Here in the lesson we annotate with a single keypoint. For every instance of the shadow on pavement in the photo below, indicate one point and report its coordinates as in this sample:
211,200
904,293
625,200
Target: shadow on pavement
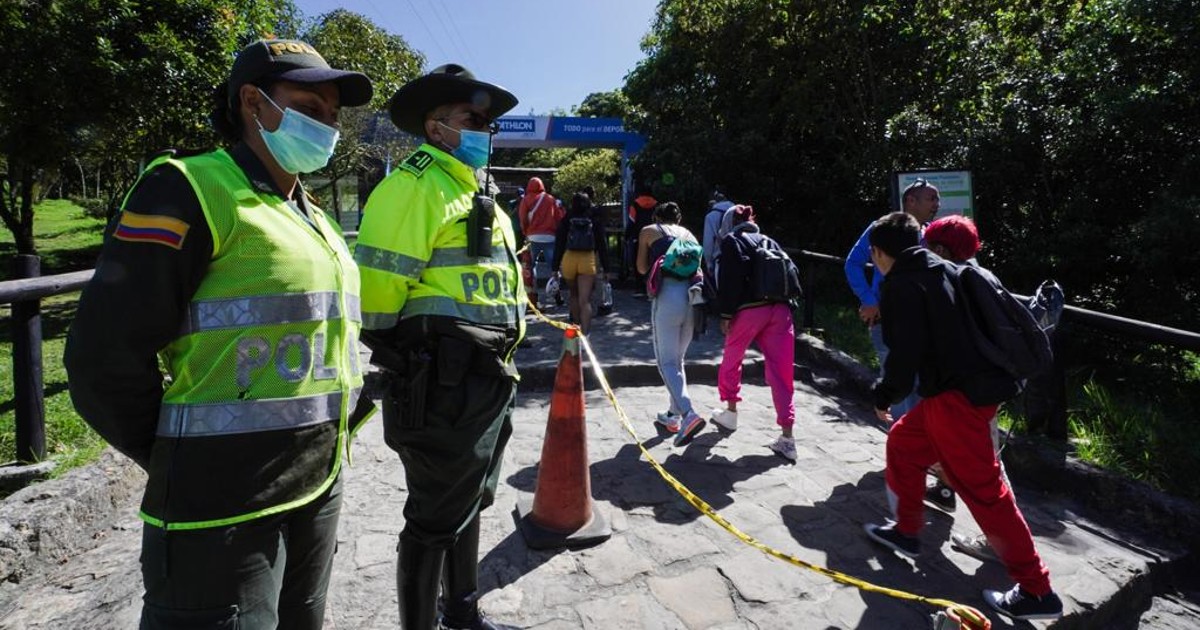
835,527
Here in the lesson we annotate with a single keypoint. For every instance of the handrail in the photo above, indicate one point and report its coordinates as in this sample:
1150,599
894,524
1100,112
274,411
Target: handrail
43,286
25,295
1145,331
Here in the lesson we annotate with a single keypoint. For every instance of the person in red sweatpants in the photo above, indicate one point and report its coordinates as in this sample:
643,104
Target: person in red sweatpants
927,338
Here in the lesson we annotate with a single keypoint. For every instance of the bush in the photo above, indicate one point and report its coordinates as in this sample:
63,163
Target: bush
93,207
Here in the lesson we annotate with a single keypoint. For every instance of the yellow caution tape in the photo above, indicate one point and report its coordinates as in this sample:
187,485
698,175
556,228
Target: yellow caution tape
969,617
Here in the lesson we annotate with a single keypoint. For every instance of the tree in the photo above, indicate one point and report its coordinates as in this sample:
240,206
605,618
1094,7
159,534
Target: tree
612,104
353,42
109,81
600,169
1079,121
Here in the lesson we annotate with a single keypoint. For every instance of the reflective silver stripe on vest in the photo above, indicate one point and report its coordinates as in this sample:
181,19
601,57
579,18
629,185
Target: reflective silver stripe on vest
389,261
249,416
379,321
457,256
498,314
354,308
261,310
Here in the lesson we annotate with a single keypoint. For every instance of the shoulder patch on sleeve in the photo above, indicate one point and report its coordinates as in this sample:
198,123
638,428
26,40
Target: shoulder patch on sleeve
151,228
417,163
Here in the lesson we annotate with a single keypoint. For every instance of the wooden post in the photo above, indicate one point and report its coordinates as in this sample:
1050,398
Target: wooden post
27,368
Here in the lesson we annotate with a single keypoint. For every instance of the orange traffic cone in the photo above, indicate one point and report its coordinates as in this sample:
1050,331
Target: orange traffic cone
561,513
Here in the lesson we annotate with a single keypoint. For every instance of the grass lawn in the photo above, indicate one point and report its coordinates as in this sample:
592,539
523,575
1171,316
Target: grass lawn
67,240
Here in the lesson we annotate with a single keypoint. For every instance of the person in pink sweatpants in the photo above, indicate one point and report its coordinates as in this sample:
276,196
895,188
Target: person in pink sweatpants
747,318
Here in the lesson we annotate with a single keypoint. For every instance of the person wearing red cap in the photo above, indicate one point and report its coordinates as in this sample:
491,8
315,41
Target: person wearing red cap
926,333
222,269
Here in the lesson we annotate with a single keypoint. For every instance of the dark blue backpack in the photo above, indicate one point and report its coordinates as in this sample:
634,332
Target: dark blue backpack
1000,325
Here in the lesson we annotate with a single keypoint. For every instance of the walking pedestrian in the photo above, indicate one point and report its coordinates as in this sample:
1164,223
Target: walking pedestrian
640,214
717,207
749,318
671,318
539,214
925,333
921,200
580,255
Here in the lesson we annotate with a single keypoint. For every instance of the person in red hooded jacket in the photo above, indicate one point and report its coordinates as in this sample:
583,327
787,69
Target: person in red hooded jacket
539,214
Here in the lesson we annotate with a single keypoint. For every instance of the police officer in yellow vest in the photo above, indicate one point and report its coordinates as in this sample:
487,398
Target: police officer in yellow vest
219,267
443,310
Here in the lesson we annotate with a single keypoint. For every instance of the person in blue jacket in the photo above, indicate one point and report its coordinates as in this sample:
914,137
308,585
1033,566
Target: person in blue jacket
921,200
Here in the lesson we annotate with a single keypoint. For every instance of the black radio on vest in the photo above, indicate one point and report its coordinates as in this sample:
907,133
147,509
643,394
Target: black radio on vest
479,227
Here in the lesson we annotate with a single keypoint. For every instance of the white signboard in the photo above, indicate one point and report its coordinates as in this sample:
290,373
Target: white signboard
954,188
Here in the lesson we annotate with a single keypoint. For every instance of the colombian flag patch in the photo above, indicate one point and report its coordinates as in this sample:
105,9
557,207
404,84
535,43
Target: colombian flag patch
149,228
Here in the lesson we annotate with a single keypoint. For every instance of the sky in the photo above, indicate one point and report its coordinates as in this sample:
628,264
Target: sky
549,53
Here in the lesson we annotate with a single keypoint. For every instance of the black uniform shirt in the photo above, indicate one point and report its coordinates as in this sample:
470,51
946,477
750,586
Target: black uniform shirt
135,304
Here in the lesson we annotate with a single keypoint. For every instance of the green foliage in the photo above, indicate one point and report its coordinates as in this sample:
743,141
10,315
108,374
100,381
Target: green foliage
70,241
612,104
353,42
68,439
600,169
70,238
839,326
1079,122
102,84
1137,440
93,207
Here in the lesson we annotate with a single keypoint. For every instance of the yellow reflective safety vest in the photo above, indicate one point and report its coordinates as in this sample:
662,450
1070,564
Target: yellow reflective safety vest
265,370
412,250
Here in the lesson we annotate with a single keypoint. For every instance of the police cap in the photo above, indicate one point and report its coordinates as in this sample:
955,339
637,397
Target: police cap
297,61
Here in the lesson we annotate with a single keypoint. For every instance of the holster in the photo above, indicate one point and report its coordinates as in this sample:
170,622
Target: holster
404,395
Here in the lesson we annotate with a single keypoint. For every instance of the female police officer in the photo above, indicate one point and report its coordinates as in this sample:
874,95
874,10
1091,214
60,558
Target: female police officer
247,293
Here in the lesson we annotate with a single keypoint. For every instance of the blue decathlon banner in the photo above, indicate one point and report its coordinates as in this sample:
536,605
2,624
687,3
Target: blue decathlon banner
565,131
587,129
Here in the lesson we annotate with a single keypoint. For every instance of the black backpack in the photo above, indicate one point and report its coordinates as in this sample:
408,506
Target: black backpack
1001,326
579,234
773,275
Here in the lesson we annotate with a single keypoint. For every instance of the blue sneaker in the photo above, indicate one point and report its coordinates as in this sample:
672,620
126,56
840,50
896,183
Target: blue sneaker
668,421
691,425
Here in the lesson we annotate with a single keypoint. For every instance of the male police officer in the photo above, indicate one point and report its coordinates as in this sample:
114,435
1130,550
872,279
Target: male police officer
443,310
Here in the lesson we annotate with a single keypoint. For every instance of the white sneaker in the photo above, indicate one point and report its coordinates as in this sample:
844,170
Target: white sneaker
784,447
725,419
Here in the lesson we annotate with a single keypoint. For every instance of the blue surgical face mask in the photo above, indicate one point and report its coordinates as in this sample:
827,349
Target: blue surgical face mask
474,147
300,144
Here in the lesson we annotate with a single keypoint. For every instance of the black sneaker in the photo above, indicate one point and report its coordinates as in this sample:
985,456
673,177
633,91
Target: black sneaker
481,623
941,497
888,536
1018,604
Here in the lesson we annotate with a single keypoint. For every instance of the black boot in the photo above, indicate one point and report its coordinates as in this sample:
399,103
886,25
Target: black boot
417,575
460,585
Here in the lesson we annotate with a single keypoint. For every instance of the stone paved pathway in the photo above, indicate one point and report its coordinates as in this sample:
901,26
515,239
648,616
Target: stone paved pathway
666,566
